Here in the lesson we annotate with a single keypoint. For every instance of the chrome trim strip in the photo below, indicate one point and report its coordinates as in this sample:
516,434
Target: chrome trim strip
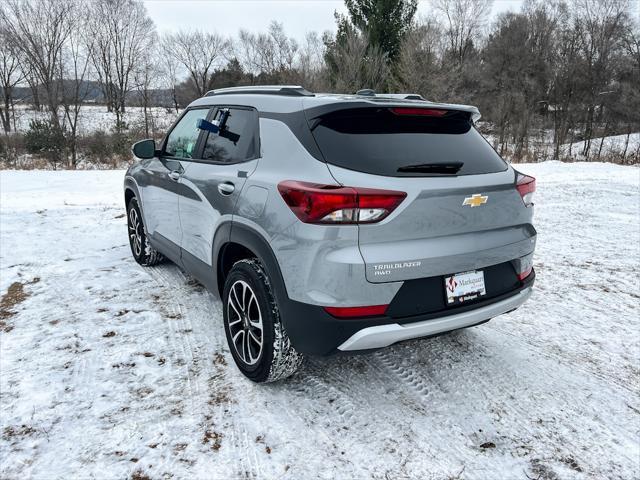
385,335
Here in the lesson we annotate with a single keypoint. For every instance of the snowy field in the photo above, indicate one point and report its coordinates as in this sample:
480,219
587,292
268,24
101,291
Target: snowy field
95,118
110,370
618,145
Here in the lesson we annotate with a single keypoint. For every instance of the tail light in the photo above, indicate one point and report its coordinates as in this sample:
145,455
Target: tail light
526,185
333,204
525,274
356,312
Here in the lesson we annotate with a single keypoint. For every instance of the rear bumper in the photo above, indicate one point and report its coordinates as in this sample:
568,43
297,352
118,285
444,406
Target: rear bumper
313,331
385,335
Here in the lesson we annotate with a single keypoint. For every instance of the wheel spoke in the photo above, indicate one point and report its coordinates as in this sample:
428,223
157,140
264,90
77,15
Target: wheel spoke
244,297
242,341
234,308
255,339
250,352
231,324
235,294
234,338
255,323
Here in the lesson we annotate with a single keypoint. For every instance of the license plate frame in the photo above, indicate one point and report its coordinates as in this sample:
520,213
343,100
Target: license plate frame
464,287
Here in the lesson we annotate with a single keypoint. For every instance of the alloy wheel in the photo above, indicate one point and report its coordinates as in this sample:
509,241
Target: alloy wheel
245,322
135,234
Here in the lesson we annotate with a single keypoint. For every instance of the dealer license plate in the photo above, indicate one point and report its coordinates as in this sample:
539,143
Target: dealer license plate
464,287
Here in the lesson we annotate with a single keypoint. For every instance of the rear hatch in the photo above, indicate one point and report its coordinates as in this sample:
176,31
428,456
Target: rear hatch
462,211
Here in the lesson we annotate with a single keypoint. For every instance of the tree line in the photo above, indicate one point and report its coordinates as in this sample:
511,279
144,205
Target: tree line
553,73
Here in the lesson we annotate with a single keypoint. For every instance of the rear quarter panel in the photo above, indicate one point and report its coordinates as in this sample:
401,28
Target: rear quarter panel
320,265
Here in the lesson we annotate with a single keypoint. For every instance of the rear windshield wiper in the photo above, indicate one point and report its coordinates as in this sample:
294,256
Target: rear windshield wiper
450,168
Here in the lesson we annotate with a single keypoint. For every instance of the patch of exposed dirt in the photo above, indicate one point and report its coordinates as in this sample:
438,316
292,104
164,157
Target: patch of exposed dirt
219,359
572,463
17,431
16,294
124,365
542,471
212,438
487,445
139,475
220,397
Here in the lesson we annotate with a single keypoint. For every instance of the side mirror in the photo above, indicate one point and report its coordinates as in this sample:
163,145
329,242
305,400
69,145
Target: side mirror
144,149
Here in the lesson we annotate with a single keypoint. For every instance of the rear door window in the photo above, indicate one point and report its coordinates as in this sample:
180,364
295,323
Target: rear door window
381,142
237,141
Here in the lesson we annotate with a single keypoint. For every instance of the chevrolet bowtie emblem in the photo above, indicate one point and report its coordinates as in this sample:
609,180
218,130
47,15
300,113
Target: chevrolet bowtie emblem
475,200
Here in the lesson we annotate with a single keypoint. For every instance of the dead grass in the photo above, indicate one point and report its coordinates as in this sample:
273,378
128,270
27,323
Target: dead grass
17,431
212,438
16,294
139,475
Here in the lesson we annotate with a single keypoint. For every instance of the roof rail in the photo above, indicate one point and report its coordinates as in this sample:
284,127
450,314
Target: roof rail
287,90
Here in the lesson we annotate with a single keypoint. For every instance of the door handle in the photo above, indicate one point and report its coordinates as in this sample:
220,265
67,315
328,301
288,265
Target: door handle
174,175
226,188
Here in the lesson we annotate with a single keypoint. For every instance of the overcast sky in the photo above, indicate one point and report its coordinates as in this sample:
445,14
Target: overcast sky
229,16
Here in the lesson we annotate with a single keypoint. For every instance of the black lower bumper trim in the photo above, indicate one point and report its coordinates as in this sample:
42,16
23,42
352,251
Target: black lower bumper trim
314,332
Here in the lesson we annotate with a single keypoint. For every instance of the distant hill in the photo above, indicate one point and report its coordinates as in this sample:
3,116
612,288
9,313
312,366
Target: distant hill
92,92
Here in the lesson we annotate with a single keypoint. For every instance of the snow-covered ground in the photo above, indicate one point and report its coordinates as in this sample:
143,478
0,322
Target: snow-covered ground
616,145
110,370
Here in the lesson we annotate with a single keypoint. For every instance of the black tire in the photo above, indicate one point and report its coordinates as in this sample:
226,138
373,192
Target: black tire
141,250
276,358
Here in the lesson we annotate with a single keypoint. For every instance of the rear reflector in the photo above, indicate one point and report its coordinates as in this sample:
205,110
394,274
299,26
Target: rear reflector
427,112
356,312
333,204
525,274
526,185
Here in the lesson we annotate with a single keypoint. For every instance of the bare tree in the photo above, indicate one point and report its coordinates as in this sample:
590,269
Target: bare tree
199,53
122,34
75,61
601,25
145,79
39,30
419,69
631,42
355,64
271,53
169,70
10,76
465,20
310,63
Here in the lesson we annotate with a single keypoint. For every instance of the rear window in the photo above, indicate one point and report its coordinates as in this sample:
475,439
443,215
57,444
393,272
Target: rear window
381,142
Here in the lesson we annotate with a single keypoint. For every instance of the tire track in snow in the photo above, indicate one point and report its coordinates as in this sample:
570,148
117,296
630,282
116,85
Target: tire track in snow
330,415
177,290
535,344
512,403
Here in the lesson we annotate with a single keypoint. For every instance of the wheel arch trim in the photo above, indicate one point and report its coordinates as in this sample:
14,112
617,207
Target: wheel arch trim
130,184
251,239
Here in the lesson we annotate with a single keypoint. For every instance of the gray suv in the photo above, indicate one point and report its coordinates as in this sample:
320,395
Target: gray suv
333,223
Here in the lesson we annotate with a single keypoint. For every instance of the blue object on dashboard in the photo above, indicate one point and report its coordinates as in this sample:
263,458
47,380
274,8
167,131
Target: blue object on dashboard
202,124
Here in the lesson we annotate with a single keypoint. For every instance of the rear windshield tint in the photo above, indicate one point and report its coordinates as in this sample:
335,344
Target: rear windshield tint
378,141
